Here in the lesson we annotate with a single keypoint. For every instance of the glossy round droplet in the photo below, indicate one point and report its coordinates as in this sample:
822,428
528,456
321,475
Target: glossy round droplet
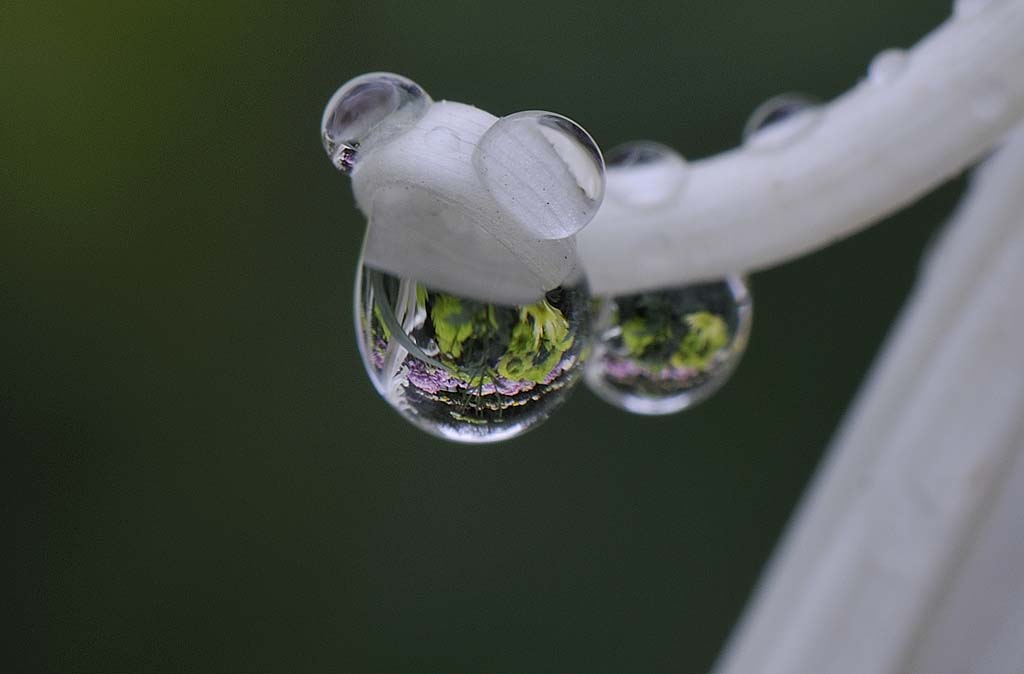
466,370
887,66
660,352
780,121
368,111
544,170
443,139
964,9
644,174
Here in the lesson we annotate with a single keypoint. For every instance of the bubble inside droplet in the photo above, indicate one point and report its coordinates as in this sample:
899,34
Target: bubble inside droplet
544,169
663,351
466,370
963,9
368,111
887,66
780,121
644,173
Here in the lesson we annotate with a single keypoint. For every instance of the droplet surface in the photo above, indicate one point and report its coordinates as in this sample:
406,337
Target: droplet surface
663,351
780,121
887,66
366,111
644,174
466,370
544,170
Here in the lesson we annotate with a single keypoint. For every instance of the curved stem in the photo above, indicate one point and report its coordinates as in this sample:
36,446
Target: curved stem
872,151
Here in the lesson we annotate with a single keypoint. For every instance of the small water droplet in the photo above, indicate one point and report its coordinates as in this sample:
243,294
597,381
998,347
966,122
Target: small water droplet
466,370
645,174
781,120
368,111
444,138
965,9
887,66
660,352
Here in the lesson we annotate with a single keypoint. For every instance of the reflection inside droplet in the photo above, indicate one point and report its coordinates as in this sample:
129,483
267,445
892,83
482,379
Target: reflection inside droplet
466,370
663,351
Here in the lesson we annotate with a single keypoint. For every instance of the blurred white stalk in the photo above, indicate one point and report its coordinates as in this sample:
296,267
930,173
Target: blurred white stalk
877,148
887,566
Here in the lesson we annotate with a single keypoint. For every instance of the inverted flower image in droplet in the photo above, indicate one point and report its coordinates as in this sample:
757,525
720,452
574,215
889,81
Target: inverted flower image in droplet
467,370
660,352
368,111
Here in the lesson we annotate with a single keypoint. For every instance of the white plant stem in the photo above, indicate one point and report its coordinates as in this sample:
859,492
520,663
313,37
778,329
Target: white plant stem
883,532
872,151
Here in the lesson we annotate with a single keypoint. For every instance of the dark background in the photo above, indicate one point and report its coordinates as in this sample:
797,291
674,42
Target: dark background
201,476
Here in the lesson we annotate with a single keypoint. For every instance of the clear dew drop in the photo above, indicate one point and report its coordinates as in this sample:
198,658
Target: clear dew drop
466,370
780,121
887,66
644,174
443,139
367,111
543,169
663,351
965,9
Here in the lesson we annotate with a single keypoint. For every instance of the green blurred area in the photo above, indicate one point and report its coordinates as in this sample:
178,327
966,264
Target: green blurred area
201,476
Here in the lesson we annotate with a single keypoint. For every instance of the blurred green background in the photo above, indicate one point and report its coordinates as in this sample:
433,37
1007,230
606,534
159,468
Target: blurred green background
201,476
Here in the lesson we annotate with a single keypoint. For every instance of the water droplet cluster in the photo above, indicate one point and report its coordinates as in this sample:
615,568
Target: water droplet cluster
477,371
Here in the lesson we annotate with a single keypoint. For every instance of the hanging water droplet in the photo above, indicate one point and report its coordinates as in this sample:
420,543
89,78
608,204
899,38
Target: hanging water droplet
644,174
466,370
544,169
366,111
887,66
781,120
963,9
660,352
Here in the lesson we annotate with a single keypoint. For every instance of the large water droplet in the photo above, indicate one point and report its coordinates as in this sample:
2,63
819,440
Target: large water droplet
368,111
465,370
544,169
663,351
963,9
644,174
780,121
887,66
